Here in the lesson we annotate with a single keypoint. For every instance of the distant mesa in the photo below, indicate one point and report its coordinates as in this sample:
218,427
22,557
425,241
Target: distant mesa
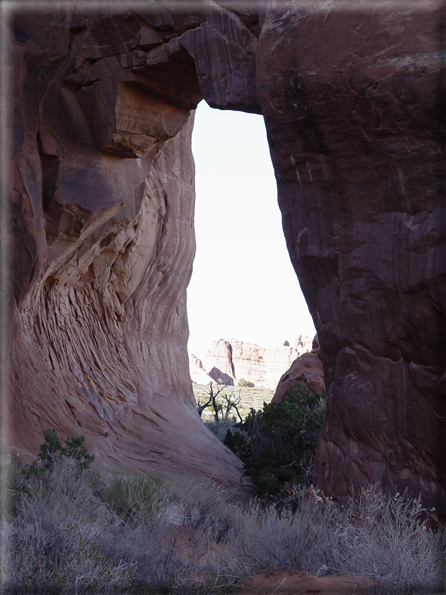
228,361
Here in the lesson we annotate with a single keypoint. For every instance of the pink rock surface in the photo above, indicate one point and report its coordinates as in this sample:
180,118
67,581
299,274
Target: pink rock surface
219,362
306,369
103,191
197,373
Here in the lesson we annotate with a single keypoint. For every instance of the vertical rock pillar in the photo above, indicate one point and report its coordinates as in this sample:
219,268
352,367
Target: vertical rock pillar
353,100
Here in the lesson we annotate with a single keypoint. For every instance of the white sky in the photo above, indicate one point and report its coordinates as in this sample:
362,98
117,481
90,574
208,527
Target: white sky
243,285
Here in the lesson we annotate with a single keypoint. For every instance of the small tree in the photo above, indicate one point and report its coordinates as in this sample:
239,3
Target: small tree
279,446
231,402
52,450
211,402
223,407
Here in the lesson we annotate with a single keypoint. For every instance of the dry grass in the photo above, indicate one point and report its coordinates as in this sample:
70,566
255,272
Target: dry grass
379,536
117,534
54,538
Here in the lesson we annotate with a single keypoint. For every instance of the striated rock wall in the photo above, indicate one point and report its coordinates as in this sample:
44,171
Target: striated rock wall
103,201
102,191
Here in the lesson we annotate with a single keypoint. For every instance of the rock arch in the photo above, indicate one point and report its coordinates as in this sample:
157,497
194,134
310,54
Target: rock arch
102,188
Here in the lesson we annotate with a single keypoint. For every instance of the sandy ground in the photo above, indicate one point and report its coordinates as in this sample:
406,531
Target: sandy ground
300,582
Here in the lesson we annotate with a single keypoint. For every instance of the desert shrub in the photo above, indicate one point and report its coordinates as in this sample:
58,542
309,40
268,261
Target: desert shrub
115,534
182,549
76,532
269,539
387,536
52,451
137,498
21,480
220,428
381,536
245,383
205,507
279,443
53,540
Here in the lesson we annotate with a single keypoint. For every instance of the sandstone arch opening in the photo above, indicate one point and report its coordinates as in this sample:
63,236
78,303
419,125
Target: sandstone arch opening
243,285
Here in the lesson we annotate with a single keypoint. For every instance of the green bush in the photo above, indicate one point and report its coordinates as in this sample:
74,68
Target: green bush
245,383
52,451
278,444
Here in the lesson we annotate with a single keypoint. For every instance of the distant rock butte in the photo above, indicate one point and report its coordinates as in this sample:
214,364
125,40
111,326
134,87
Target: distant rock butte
197,373
230,361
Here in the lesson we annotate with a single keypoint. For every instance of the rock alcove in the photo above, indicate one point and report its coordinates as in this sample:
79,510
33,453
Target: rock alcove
102,190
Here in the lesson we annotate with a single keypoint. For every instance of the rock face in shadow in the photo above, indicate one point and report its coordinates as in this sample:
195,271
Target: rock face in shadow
353,101
102,192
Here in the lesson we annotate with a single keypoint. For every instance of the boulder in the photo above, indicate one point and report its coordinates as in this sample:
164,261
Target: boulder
306,369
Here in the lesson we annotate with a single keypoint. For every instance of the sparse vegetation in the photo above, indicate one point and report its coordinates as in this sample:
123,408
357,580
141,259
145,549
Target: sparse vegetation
220,403
223,406
77,532
52,451
379,536
245,383
249,398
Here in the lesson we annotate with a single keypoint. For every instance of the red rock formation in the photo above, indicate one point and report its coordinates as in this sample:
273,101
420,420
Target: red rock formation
219,362
279,359
248,362
306,369
102,190
353,100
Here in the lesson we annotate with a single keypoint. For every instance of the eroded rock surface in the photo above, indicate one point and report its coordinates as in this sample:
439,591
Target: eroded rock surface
102,190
